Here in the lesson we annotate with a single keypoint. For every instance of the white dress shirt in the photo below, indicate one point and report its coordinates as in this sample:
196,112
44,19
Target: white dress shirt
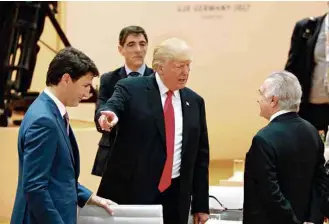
58,103
177,104
280,112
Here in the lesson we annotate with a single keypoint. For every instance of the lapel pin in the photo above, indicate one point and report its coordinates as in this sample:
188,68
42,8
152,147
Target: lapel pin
187,103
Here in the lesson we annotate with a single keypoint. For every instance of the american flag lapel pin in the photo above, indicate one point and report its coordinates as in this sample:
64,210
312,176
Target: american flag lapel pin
187,103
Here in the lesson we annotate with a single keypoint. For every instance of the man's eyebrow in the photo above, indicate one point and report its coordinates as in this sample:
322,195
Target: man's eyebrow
131,42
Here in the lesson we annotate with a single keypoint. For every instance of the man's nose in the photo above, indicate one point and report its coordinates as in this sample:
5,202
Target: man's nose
138,48
87,92
186,69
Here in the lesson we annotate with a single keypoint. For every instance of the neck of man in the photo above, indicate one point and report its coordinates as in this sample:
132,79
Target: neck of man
275,110
58,93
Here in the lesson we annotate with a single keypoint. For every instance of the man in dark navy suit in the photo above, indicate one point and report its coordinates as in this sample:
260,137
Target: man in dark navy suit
133,42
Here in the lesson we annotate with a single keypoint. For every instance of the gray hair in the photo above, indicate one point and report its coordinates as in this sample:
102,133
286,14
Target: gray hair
171,49
286,87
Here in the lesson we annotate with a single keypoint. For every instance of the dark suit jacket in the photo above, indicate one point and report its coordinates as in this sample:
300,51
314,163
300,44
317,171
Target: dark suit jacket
47,191
136,163
283,168
107,83
301,56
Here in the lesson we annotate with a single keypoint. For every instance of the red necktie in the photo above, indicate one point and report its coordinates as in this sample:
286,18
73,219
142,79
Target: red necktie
169,118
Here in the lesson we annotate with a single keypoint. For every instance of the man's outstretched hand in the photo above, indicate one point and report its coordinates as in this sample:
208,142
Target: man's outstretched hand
107,120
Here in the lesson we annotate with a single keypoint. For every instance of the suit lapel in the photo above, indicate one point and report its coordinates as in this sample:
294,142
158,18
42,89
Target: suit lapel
148,71
155,104
187,119
60,121
122,72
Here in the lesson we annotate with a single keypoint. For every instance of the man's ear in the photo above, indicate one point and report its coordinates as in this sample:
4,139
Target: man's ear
274,101
120,49
160,69
66,78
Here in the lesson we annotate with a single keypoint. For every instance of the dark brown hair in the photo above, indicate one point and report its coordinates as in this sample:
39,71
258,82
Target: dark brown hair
135,30
72,61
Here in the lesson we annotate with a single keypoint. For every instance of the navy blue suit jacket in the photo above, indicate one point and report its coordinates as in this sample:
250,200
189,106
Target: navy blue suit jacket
48,190
134,168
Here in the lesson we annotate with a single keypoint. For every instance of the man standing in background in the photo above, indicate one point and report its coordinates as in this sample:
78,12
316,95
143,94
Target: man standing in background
285,163
133,42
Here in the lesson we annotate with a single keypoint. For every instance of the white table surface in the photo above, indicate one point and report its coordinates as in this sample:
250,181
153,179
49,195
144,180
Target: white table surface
230,197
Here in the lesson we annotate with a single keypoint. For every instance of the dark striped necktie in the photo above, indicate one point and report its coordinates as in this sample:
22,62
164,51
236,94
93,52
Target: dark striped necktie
67,123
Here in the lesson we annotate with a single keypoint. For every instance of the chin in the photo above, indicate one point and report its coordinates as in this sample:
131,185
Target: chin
262,115
74,104
181,86
138,62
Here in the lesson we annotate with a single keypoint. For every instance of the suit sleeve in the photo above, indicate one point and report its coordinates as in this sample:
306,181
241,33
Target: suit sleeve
117,102
200,195
84,195
320,174
292,62
105,92
264,169
40,143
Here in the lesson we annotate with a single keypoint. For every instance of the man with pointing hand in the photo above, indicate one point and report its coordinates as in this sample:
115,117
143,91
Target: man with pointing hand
161,154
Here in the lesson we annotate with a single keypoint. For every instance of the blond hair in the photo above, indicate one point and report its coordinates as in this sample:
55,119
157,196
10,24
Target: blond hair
171,49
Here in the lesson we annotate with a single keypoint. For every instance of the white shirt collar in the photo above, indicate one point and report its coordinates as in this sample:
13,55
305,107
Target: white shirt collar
58,103
141,70
162,88
280,112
